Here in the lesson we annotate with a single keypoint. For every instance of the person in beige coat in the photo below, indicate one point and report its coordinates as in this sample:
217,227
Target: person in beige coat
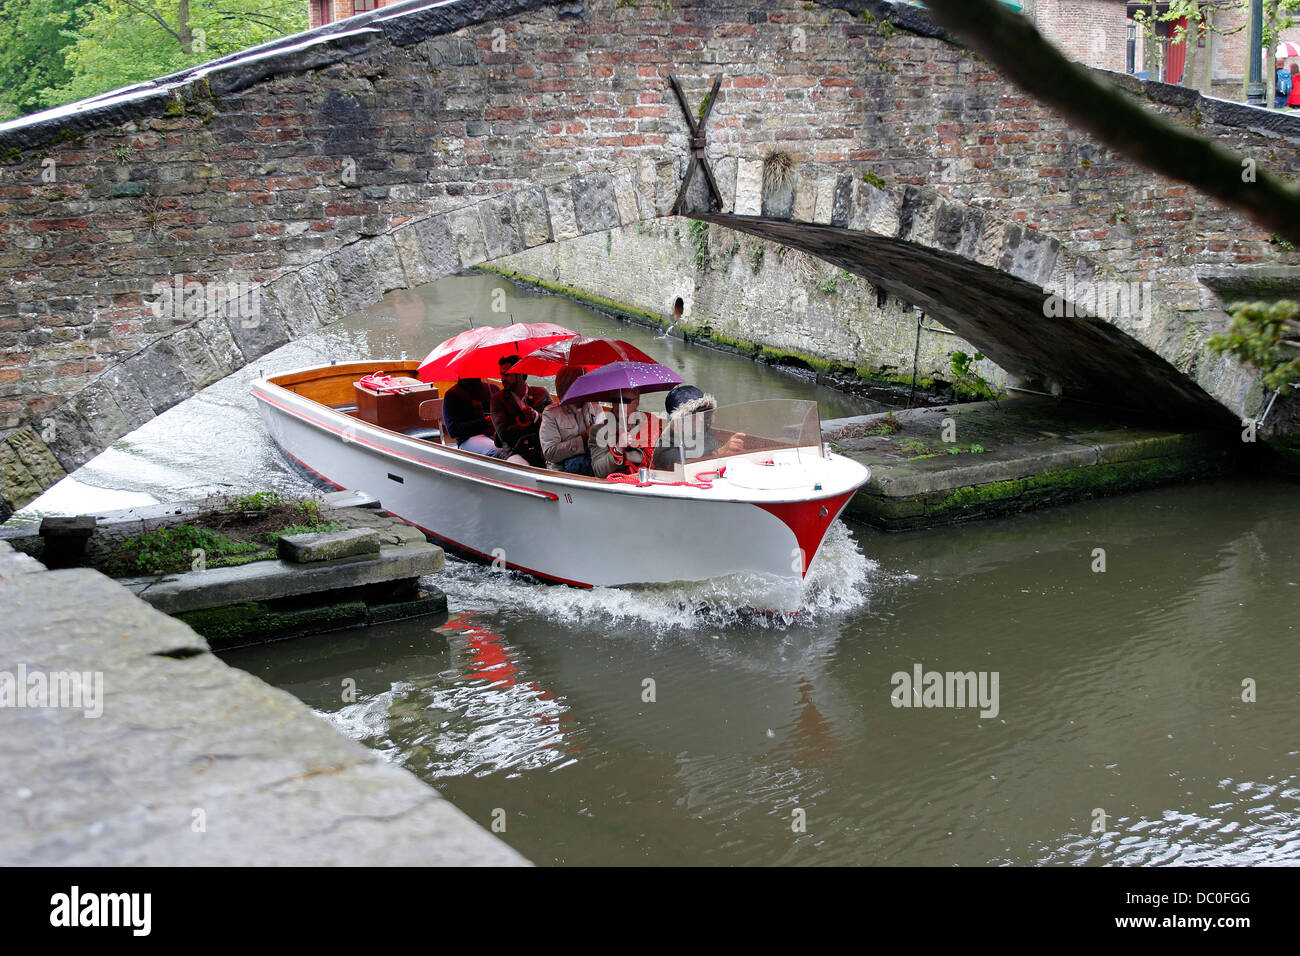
566,429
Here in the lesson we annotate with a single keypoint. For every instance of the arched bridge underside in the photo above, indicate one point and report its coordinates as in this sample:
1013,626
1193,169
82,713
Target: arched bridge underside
395,148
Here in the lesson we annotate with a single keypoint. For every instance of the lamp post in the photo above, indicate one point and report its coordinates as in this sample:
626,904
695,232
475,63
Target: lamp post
1255,88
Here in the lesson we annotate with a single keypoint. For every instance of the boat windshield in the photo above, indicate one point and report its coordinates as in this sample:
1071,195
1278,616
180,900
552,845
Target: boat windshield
739,429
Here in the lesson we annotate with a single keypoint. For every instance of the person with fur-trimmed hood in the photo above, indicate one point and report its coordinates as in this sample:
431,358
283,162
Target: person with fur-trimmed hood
687,436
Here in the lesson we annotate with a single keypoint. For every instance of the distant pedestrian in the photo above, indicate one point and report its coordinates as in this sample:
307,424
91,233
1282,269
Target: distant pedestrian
1283,86
1293,98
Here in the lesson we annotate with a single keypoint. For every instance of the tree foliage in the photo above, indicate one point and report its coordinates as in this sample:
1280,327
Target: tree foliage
1265,335
33,37
120,42
1201,21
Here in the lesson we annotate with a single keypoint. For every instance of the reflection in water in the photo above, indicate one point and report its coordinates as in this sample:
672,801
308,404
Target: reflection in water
479,715
493,719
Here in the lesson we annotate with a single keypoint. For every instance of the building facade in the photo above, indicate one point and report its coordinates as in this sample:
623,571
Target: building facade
1093,32
321,12
1108,34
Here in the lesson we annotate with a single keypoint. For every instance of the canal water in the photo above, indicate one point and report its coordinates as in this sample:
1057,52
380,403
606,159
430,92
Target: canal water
1144,713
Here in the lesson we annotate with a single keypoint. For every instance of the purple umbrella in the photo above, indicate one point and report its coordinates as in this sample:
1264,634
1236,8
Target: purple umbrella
616,376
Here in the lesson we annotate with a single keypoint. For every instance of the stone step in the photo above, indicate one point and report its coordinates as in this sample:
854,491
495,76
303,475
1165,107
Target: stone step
327,545
271,580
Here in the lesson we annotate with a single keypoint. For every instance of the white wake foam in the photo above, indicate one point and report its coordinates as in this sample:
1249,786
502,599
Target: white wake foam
838,582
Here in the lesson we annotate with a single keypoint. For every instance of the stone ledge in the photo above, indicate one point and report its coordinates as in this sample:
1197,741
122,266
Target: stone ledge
14,563
1039,452
270,580
254,622
184,736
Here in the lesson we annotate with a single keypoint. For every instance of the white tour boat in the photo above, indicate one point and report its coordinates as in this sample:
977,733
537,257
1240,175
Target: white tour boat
762,504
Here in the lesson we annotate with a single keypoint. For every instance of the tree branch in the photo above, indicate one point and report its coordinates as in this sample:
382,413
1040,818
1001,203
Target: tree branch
1019,51
152,14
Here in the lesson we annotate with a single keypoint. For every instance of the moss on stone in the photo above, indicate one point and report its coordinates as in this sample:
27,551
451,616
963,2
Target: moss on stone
253,622
836,373
1282,456
1020,494
586,298
197,101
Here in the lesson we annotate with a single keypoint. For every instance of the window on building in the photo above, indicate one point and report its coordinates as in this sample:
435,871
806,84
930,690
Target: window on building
1130,54
364,6
322,11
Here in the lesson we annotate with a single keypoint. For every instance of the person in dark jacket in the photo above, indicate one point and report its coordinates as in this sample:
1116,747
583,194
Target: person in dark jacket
466,408
517,415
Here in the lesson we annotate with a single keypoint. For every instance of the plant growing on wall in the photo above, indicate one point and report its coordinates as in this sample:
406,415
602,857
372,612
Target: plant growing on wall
966,379
699,236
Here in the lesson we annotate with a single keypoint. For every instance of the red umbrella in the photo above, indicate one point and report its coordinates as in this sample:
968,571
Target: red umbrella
479,358
480,348
431,369
581,350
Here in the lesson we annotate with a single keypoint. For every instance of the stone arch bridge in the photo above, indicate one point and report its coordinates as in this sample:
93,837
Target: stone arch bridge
321,171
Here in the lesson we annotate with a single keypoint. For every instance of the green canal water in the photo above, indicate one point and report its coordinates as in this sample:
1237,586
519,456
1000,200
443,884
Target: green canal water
662,726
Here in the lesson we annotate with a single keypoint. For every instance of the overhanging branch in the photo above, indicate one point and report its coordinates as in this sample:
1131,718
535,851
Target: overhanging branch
1021,53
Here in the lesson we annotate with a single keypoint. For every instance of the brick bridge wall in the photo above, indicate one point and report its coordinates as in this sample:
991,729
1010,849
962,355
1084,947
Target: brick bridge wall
391,149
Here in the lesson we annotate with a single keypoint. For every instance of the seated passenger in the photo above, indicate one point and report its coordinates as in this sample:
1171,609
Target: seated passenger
466,410
565,433
516,416
688,431
626,439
